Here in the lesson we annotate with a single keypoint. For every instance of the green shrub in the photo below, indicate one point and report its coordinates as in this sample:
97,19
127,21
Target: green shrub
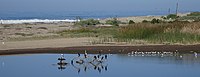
163,17
154,21
145,21
113,21
131,22
88,22
172,16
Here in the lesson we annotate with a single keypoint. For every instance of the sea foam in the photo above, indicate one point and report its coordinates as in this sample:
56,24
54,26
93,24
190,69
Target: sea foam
34,21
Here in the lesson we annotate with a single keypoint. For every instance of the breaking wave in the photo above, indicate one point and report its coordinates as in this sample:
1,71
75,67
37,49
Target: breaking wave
34,21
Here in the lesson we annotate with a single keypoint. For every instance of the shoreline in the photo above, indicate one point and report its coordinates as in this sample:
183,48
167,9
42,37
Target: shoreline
106,49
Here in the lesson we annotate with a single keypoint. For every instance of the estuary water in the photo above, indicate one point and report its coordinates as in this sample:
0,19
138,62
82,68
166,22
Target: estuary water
116,65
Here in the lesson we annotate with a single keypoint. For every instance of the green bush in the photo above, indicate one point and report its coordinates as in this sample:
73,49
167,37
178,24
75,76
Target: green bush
163,17
172,16
131,22
145,21
88,22
154,21
114,22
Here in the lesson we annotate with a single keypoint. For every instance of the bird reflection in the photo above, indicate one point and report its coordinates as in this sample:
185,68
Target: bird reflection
62,64
85,62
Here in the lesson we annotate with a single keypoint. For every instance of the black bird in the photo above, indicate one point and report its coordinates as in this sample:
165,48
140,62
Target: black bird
106,68
79,54
85,69
102,58
72,62
106,56
95,57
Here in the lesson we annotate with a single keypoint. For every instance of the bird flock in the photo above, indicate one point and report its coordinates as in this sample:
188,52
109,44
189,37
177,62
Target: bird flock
85,62
159,53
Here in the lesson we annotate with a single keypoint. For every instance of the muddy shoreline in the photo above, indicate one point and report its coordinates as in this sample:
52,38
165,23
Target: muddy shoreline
106,49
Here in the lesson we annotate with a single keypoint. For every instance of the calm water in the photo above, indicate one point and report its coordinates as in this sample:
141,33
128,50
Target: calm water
44,65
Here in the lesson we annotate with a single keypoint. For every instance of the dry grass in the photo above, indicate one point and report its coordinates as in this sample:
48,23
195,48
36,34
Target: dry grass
177,32
192,28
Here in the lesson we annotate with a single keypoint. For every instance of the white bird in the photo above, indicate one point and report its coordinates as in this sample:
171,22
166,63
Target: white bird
62,55
181,56
195,54
3,43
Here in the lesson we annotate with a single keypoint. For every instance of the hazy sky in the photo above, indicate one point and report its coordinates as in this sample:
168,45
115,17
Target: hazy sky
97,5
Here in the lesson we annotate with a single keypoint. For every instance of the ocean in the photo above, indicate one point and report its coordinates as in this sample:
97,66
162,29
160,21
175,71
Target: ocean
73,14
26,17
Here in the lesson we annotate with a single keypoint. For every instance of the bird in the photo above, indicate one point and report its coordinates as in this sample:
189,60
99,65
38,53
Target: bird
102,58
62,55
95,57
79,54
106,56
195,54
85,54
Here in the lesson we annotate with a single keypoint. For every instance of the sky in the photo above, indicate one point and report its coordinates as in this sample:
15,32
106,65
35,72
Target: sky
97,5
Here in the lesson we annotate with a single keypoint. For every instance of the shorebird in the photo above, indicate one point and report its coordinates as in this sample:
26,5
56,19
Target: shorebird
79,54
106,56
85,54
62,57
195,54
3,43
181,56
95,57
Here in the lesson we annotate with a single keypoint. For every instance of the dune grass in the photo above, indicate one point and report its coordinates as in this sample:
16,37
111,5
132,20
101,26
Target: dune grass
160,33
178,32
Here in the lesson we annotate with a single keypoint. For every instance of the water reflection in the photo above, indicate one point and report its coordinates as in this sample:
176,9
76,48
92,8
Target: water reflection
96,65
161,54
84,62
168,57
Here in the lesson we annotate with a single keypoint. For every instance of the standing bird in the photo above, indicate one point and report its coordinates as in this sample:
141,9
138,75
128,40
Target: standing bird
85,54
195,54
95,57
102,58
79,54
106,56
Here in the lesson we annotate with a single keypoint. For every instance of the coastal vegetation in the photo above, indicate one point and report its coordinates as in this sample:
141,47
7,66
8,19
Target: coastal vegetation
159,33
113,21
87,22
168,29
194,16
177,32
172,16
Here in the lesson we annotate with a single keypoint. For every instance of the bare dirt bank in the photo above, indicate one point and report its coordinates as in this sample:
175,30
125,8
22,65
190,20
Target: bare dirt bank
106,49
